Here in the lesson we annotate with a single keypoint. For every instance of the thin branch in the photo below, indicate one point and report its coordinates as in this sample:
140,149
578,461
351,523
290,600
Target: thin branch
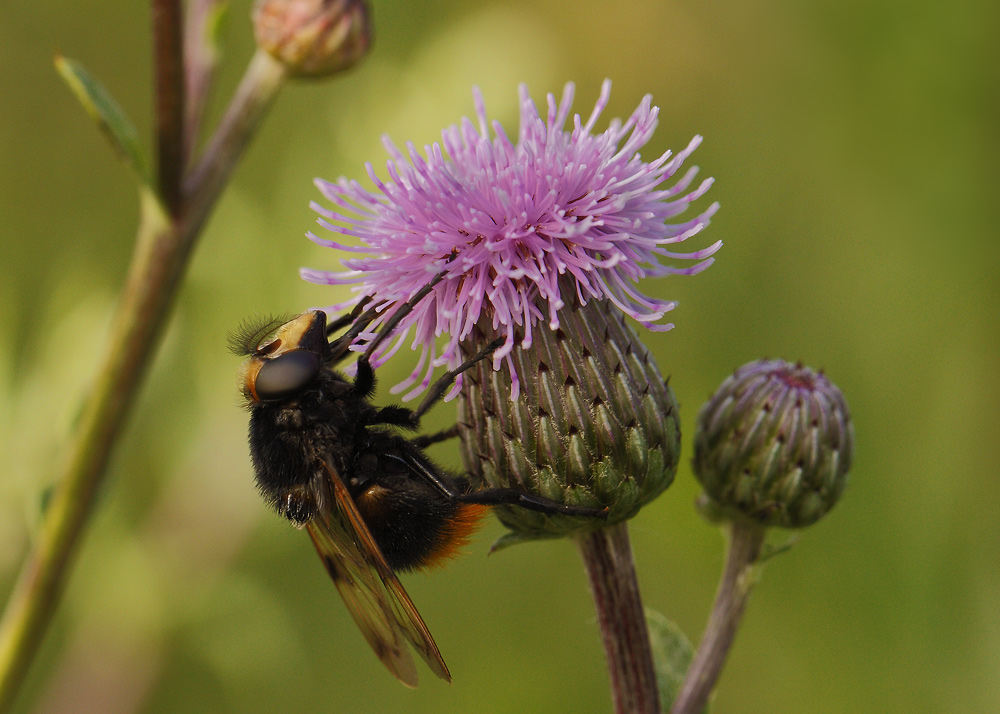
201,57
258,88
738,578
147,294
607,555
168,61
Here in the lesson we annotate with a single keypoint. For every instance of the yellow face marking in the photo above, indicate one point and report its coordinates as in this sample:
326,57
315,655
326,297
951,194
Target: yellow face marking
285,339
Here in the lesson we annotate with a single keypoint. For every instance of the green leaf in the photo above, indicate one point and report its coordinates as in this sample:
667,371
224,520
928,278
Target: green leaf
514,537
216,23
106,113
672,653
770,551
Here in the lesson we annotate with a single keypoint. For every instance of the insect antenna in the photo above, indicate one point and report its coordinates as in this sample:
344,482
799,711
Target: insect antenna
250,333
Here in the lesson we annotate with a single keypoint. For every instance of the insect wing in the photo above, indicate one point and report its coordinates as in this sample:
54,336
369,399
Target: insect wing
373,594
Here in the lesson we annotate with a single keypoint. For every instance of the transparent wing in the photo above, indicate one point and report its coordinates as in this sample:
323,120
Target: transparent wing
373,594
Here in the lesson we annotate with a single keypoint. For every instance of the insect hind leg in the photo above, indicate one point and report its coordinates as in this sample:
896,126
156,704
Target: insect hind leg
515,497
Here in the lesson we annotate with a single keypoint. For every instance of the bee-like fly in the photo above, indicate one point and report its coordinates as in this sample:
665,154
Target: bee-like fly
329,460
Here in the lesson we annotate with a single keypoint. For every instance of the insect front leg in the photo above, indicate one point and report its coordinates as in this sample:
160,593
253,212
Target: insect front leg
422,442
439,387
349,318
392,415
360,320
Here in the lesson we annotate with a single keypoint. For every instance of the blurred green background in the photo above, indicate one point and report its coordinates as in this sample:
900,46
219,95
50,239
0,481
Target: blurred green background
855,149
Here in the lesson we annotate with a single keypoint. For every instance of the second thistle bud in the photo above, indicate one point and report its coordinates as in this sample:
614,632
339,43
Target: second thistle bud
774,445
594,425
313,38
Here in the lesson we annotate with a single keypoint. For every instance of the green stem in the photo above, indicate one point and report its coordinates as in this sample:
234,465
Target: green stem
738,578
260,85
129,346
168,63
201,58
607,555
163,248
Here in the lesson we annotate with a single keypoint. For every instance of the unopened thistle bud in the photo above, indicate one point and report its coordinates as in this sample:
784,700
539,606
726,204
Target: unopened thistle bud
594,425
774,445
313,38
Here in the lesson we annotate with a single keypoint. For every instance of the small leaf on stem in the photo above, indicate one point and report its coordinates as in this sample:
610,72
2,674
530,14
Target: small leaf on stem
672,654
106,112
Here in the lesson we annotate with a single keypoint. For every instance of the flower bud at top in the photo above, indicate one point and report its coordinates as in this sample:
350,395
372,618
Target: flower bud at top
774,445
594,424
313,38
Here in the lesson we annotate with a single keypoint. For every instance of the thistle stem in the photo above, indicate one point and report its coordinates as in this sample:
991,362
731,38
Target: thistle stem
168,41
607,556
164,244
201,58
738,578
257,90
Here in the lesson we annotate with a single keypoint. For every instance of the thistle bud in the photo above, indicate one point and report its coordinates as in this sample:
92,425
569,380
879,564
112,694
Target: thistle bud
774,445
594,424
313,38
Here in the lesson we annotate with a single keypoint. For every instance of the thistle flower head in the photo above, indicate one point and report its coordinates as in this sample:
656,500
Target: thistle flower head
518,228
774,445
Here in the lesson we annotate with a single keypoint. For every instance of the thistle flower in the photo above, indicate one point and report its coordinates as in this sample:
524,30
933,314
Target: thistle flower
774,445
506,221
539,243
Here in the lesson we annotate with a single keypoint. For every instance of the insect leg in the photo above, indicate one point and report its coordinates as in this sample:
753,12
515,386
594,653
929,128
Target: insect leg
364,384
359,321
494,496
445,381
348,318
515,497
393,415
364,379
422,442
402,311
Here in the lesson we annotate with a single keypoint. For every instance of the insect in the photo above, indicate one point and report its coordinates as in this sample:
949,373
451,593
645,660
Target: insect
329,460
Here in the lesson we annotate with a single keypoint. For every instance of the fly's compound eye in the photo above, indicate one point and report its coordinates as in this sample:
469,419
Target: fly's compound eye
286,375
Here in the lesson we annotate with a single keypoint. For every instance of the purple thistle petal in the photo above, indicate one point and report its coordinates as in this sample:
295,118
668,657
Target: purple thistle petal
512,226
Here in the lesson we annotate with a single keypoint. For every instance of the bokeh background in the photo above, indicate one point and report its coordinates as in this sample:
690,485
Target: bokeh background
855,149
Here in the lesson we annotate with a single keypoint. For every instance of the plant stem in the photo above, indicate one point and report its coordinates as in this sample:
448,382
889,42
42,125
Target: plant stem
258,88
738,578
163,246
129,346
168,48
201,58
607,556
